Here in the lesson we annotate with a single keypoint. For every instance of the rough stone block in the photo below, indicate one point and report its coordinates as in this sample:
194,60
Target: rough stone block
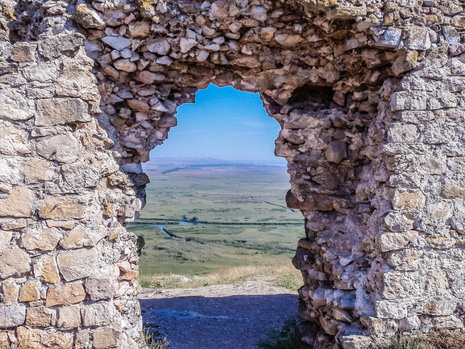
61,208
46,268
391,309
98,314
14,262
40,317
43,240
64,148
43,339
105,338
404,100
10,291
14,141
77,264
29,292
12,315
100,288
14,106
66,294
395,241
60,111
69,317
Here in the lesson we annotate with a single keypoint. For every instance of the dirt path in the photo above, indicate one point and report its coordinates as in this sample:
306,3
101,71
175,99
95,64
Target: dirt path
220,316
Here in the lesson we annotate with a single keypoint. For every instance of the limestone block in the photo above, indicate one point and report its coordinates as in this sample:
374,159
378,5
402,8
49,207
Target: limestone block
100,288
18,204
87,17
4,342
61,208
403,133
97,314
105,338
65,294
391,309
398,285
14,141
452,189
23,51
10,291
12,315
46,268
439,305
418,38
13,106
5,239
60,111
43,339
139,29
125,65
14,262
397,222
82,339
43,239
64,148
77,264
81,237
41,72
29,292
40,317
36,169
409,201
405,62
396,241
404,100
69,317
60,224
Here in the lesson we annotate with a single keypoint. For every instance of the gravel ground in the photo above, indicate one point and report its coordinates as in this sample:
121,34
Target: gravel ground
220,316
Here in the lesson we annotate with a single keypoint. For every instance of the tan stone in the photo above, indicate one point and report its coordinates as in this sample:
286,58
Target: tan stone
61,208
97,314
77,264
130,275
5,238
46,267
29,338
409,201
80,237
139,29
29,292
40,317
16,224
14,141
82,339
105,338
14,261
43,240
60,111
23,51
10,291
38,170
138,105
69,317
60,224
18,204
4,342
453,190
66,294
63,148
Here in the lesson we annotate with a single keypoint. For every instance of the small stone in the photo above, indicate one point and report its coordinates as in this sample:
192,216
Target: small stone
259,13
60,224
18,204
138,105
336,152
202,55
64,148
77,264
61,208
14,262
82,339
12,315
97,314
125,65
453,190
139,29
66,294
69,317
187,44
396,241
159,46
43,240
23,52
105,338
87,18
40,317
390,38
10,291
148,77
36,170
14,141
46,267
219,10
117,42
287,40
61,111
29,292
419,38
409,201
405,63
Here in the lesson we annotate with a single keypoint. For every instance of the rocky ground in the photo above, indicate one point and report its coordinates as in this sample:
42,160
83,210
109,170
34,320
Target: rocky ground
218,316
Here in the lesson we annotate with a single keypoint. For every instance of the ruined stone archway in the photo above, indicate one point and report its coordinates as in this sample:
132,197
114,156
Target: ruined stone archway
367,94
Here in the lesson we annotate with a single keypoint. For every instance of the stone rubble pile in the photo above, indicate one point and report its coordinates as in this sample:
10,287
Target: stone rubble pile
369,97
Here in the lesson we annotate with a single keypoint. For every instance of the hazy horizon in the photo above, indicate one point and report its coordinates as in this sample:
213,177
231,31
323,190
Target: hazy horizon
223,124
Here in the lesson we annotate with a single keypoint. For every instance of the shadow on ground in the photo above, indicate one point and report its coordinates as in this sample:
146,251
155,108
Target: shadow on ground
220,322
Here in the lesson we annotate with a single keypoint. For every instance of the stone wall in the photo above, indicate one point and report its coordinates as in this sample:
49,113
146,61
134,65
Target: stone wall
368,95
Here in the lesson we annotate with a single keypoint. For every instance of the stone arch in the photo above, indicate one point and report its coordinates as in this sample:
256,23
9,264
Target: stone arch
367,94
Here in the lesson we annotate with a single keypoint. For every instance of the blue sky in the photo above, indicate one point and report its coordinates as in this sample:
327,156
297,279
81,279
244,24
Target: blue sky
223,123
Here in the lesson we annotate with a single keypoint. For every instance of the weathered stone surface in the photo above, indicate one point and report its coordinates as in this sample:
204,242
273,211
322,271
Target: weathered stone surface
10,291
14,262
105,338
43,239
41,339
13,106
29,292
63,148
59,111
396,241
14,141
46,268
69,317
65,294
77,264
97,314
19,203
40,317
100,288
61,208
12,315
87,18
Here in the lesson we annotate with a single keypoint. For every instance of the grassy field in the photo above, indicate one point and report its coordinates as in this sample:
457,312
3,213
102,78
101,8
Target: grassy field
262,232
